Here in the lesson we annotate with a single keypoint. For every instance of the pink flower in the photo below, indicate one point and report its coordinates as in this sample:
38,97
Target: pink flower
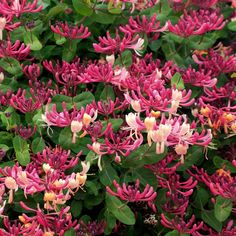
23,104
17,50
217,61
132,193
180,225
26,132
109,45
144,25
57,158
3,22
18,7
71,32
59,119
198,78
197,22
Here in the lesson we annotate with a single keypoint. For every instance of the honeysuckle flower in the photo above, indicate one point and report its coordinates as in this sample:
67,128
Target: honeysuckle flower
218,60
220,183
176,203
17,50
91,228
206,4
3,22
55,159
109,45
69,31
18,7
78,180
109,106
160,137
179,5
76,127
137,47
174,185
198,78
132,193
15,178
59,119
23,104
163,100
143,25
48,223
164,166
32,71
197,22
180,225
1,77
25,132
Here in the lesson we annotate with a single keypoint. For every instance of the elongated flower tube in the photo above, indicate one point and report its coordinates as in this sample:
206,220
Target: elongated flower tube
220,60
198,78
57,158
26,132
205,4
144,25
17,50
23,104
197,22
220,183
18,7
180,225
109,45
69,31
132,193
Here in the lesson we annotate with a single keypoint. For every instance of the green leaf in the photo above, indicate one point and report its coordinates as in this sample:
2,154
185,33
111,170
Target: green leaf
144,155
120,210
59,39
107,92
76,208
232,25
11,65
195,153
175,233
23,157
65,140
114,9
38,145
92,187
20,144
108,174
125,59
110,222
209,218
22,150
83,99
32,40
116,123
59,8
177,81
4,147
69,50
103,17
221,163
201,198
145,176
222,208
7,163
70,232
83,7
202,42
